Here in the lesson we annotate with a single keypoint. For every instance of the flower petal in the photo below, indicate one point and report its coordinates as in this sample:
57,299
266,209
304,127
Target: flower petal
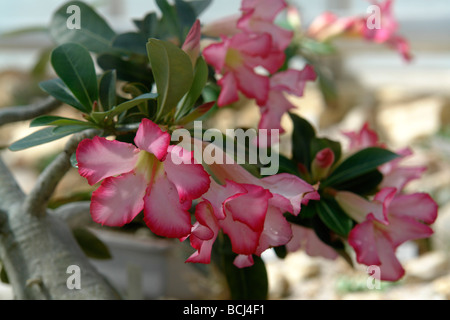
164,214
307,239
252,85
118,200
277,231
203,237
151,138
243,261
289,186
190,178
403,228
249,208
419,206
229,93
100,158
390,267
362,239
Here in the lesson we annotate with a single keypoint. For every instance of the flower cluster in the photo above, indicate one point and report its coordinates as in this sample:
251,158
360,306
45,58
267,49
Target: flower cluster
391,217
249,61
162,180
328,26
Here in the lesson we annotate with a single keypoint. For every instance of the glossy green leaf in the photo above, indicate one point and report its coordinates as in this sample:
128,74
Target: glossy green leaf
365,184
198,84
169,25
131,43
73,64
196,113
45,135
148,26
302,135
127,70
57,89
123,107
107,90
359,164
250,283
334,217
57,121
91,245
94,32
173,73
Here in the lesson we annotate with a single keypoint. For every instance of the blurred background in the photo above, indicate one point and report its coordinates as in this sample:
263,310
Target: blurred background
408,104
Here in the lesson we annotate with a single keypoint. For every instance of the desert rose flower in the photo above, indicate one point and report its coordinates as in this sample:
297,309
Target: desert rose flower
291,82
249,210
236,58
395,174
258,16
384,224
155,177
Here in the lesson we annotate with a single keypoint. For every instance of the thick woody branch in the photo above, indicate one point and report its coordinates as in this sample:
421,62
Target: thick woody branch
75,214
36,202
22,113
10,192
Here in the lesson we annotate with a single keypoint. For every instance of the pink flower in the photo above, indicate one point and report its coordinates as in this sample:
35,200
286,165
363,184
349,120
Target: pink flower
395,174
258,16
307,239
155,177
388,32
286,82
384,224
328,25
249,210
364,138
236,58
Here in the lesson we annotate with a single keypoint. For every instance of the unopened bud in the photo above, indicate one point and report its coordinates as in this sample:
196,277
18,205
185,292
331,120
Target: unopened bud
322,163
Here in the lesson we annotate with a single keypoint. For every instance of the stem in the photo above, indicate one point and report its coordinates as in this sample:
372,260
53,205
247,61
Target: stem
22,113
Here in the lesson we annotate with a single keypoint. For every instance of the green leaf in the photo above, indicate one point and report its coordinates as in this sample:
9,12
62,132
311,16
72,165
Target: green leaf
125,106
43,136
107,90
3,275
359,164
57,121
200,5
57,89
250,283
196,113
91,245
365,184
127,70
198,84
74,65
169,24
334,217
173,73
95,33
131,43
302,135
148,26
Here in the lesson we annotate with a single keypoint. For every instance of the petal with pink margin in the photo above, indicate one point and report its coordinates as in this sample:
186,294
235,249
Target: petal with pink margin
243,261
190,178
151,138
419,206
362,239
164,214
289,186
404,228
203,240
100,158
118,199
249,208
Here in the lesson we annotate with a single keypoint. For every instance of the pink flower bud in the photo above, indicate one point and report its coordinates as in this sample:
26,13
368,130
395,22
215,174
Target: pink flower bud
322,163
192,43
